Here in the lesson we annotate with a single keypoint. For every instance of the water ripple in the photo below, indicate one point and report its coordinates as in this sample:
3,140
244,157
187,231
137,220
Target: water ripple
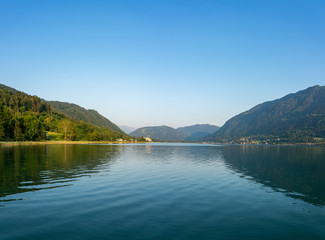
166,191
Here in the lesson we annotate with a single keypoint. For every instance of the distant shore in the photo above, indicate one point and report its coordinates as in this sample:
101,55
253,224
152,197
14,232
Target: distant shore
14,143
17,143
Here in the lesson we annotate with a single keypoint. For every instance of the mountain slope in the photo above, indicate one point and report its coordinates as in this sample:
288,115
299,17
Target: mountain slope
79,113
4,87
28,118
198,131
163,133
299,117
76,112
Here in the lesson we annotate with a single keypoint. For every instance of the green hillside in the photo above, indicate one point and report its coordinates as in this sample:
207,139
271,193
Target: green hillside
28,118
81,114
298,117
4,87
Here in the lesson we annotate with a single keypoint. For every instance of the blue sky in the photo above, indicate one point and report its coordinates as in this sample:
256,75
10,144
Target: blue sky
177,63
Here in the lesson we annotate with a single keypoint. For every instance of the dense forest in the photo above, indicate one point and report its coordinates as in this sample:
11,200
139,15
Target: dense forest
28,118
79,113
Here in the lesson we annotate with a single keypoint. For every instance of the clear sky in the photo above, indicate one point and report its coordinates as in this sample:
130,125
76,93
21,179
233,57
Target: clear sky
162,62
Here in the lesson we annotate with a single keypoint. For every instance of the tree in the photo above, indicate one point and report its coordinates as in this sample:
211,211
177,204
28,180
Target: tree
2,132
7,119
32,127
67,128
94,136
142,139
17,131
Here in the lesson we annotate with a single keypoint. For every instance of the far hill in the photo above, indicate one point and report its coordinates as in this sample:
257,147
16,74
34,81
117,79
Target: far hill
162,133
198,131
81,114
165,133
127,129
298,117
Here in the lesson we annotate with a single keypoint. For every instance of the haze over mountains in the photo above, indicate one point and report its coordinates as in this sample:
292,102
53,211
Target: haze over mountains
298,117
165,133
127,129
198,131
295,118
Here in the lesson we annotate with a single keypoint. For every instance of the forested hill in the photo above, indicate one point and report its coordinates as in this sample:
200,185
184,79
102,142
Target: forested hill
28,118
4,87
165,133
298,117
162,133
79,113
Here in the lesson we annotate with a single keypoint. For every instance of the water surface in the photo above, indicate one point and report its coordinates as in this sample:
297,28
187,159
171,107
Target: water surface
162,191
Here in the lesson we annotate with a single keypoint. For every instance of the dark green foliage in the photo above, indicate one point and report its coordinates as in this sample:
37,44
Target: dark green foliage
295,118
28,118
79,113
21,116
8,88
141,139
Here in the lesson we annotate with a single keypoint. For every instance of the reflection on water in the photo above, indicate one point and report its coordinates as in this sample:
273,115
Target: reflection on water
29,168
297,171
161,191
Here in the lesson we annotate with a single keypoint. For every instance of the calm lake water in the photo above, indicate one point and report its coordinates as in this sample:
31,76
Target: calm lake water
162,191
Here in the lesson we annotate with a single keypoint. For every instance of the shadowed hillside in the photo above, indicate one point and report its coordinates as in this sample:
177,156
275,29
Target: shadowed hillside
298,117
198,131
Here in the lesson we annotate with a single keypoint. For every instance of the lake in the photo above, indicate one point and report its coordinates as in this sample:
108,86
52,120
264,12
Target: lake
162,191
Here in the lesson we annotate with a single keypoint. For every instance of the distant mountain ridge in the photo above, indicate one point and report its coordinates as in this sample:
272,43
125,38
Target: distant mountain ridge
297,117
198,131
165,133
162,133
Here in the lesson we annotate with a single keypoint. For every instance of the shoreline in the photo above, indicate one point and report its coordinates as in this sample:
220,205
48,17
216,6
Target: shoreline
17,143
14,143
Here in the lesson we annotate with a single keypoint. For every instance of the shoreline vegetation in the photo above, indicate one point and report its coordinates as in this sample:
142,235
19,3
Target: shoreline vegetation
24,143
16,143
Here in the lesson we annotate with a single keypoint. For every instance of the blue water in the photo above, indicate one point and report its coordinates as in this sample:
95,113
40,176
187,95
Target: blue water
162,191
